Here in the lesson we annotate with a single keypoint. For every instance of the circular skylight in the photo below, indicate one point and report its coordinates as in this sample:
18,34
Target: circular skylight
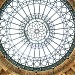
37,34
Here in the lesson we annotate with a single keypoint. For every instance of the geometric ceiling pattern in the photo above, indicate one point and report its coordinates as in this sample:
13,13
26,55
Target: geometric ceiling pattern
42,37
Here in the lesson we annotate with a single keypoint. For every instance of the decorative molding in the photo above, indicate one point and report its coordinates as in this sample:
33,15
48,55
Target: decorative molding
62,69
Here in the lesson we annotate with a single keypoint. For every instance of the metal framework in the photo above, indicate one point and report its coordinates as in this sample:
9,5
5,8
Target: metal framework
37,35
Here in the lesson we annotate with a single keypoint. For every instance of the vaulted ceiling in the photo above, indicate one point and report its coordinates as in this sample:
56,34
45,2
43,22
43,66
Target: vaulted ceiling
66,68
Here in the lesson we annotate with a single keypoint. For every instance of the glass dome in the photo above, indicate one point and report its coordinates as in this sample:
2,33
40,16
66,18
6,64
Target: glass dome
37,35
